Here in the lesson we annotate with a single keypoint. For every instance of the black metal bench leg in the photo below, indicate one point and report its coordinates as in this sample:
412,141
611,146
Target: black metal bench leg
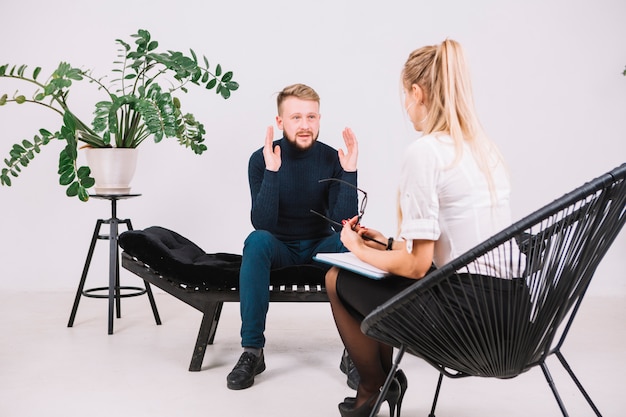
577,382
206,334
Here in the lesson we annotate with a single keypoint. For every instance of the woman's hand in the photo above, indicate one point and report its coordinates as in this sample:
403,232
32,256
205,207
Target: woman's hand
349,236
354,236
372,238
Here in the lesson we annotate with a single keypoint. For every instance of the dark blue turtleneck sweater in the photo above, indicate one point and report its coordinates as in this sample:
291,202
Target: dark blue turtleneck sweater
282,200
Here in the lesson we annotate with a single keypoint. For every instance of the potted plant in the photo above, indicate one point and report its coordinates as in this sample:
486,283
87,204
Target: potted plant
138,103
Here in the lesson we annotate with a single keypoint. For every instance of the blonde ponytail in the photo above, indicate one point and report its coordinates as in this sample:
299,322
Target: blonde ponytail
441,72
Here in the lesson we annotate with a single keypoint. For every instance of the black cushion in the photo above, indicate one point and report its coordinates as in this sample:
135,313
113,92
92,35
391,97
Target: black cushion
182,261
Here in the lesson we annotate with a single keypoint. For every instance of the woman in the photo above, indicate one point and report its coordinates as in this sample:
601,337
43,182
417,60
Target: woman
453,194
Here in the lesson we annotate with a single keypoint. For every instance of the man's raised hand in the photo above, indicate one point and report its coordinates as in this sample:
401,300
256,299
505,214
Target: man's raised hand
348,160
271,155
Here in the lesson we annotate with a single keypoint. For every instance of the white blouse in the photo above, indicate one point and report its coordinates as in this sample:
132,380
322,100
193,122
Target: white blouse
450,203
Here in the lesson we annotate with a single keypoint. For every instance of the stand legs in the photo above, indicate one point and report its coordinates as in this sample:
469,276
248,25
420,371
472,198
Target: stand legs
114,294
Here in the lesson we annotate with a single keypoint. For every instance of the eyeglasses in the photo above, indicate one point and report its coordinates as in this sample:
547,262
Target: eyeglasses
361,209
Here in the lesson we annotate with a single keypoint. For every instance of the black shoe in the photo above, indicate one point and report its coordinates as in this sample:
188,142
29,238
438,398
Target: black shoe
347,367
403,384
248,366
347,409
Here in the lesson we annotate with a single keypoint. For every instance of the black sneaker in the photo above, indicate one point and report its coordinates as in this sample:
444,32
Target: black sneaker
248,366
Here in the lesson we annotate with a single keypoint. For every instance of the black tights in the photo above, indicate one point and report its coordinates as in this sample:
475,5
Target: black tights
371,358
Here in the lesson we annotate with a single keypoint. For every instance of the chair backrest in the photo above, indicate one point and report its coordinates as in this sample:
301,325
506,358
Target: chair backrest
464,321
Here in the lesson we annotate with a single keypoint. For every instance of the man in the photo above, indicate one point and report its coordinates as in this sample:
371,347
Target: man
284,184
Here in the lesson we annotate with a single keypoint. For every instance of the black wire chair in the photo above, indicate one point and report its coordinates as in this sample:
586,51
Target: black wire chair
465,323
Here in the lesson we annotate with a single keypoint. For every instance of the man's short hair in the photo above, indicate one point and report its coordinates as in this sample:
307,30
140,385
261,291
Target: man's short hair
301,91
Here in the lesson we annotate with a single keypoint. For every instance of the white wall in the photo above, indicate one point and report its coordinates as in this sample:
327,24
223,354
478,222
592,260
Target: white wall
547,78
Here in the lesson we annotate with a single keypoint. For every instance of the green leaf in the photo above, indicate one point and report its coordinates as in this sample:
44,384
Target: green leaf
4,177
82,194
218,70
65,165
227,77
67,177
211,84
20,99
232,85
72,190
68,121
88,182
83,172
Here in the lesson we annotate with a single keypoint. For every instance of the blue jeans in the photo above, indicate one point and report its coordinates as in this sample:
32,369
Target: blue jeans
261,253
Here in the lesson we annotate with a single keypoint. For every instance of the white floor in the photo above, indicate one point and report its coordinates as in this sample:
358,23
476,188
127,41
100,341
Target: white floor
47,369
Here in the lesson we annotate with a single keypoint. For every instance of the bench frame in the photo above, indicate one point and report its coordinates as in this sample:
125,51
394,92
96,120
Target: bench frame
210,302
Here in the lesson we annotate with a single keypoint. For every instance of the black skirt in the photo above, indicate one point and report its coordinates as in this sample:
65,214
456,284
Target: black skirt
463,293
361,295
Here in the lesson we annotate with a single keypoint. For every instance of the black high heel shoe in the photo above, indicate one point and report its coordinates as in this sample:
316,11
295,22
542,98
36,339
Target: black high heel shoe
347,409
403,383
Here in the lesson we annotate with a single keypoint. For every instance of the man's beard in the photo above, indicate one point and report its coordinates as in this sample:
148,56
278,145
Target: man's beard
299,146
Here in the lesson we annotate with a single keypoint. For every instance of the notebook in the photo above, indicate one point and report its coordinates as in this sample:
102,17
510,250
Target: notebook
349,261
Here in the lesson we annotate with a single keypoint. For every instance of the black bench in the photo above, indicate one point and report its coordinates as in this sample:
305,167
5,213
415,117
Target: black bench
206,281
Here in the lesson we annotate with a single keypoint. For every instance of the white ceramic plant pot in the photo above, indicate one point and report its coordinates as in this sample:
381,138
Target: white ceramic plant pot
112,168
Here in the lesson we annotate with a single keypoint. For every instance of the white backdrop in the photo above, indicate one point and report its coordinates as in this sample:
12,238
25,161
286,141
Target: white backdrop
547,78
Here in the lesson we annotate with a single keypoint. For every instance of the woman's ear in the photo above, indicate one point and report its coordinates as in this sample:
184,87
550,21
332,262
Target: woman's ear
417,93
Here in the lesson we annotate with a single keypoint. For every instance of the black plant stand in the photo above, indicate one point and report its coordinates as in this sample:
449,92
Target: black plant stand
114,289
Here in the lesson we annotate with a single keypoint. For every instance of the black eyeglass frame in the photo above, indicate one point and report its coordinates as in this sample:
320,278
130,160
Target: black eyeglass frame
361,209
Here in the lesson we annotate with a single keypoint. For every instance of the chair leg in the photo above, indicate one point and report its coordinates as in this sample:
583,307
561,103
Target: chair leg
546,373
388,381
432,409
577,382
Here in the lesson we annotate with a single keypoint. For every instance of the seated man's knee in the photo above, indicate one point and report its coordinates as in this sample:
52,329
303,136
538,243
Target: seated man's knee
258,239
